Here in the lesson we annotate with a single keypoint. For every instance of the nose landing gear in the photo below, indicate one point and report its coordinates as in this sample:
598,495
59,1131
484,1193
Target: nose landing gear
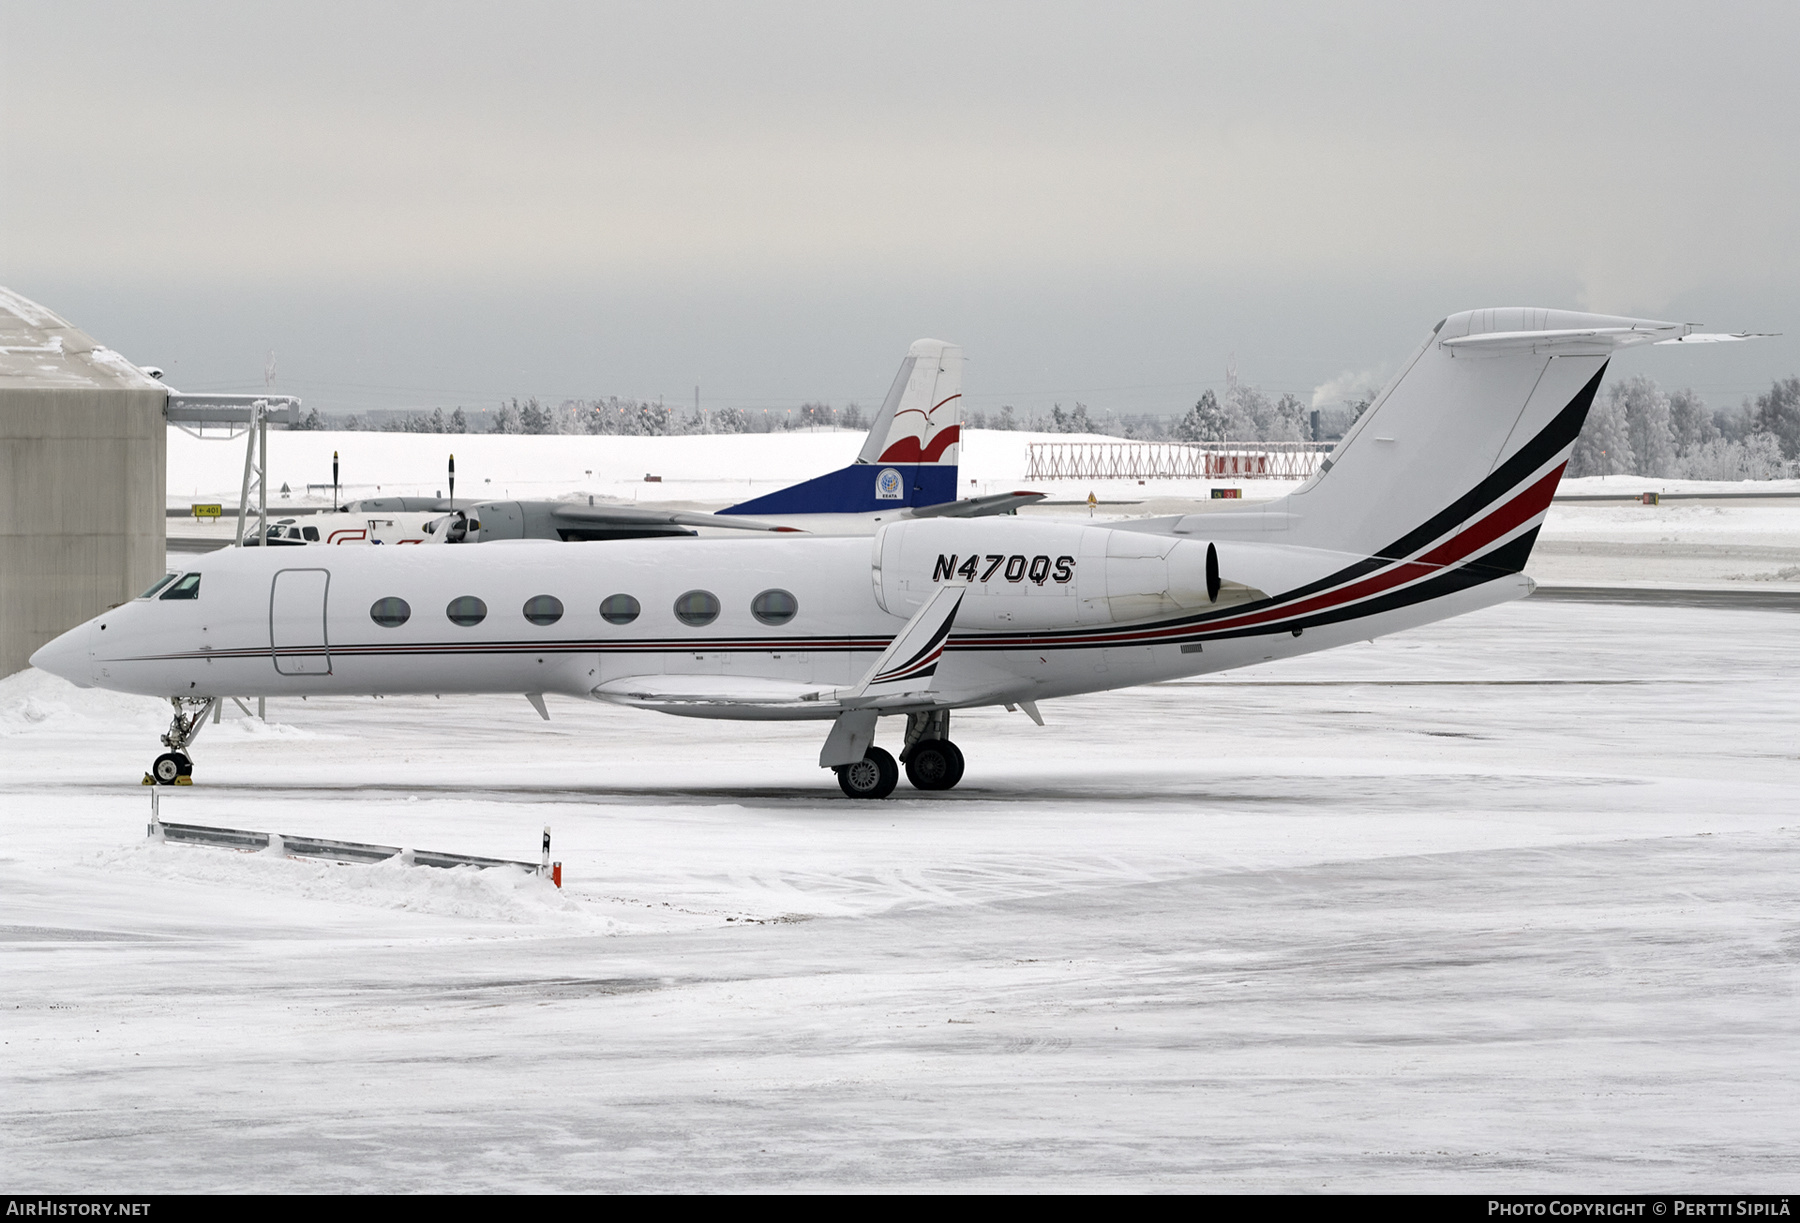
173,767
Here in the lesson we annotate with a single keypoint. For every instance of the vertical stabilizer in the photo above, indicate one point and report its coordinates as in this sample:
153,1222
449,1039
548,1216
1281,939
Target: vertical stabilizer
1458,457
909,458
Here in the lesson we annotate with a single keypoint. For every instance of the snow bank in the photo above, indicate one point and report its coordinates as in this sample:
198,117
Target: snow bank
1631,486
1757,523
495,895
33,700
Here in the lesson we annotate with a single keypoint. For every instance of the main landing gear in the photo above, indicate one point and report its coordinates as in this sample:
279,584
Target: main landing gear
932,761
173,767
874,776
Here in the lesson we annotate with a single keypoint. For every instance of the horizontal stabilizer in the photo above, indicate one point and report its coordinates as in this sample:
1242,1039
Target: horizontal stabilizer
1720,337
620,515
978,507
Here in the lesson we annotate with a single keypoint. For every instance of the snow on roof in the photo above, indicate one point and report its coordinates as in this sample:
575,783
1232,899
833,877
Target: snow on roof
40,350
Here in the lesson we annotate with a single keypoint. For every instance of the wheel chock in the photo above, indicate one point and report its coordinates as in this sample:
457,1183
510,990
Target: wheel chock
148,780
186,779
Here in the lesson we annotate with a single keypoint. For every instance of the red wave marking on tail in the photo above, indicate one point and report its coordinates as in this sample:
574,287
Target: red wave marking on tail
908,450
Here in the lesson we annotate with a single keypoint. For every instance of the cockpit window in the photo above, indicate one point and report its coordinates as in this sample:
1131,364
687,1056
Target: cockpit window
157,585
187,587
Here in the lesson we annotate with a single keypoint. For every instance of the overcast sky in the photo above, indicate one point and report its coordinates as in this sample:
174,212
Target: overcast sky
440,204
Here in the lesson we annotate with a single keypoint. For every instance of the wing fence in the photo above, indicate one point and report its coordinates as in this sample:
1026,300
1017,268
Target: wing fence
1174,460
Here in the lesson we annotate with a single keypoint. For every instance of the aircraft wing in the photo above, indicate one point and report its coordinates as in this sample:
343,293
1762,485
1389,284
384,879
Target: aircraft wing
978,507
634,516
902,678
719,696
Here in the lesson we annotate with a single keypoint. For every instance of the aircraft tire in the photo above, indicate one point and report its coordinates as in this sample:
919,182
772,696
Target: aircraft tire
169,766
934,764
874,776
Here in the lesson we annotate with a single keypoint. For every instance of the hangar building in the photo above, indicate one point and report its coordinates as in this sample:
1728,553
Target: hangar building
83,453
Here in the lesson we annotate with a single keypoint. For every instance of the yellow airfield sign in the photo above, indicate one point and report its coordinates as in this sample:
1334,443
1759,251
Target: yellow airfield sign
209,511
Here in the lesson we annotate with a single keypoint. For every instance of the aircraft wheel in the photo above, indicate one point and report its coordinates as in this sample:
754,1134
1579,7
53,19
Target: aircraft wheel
169,767
874,776
934,764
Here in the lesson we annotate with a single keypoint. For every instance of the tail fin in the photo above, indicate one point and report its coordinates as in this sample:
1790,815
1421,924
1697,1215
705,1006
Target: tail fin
1462,452
910,455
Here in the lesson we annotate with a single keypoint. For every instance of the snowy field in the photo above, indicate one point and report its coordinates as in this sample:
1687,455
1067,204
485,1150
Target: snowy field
706,471
1724,543
1508,903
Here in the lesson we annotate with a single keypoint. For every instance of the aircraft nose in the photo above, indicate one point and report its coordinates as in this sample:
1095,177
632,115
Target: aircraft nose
68,656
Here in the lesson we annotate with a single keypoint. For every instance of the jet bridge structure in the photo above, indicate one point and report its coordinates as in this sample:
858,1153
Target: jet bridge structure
249,416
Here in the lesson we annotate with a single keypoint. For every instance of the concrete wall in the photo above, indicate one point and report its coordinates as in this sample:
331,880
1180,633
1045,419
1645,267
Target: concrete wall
81,507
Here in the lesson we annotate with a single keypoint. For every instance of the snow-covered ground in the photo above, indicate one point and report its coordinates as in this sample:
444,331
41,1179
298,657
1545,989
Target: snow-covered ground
708,470
1726,543
1505,903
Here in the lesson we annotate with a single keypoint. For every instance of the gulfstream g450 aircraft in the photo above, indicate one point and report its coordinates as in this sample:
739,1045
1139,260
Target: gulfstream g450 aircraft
1426,510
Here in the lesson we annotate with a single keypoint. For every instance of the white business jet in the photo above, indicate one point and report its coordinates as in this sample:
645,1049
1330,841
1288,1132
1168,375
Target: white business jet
1427,509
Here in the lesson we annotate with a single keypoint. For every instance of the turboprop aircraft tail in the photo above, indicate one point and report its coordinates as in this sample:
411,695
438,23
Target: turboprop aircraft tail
910,456
1455,462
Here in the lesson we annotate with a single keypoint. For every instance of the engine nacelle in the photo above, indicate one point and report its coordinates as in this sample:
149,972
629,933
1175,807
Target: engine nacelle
1046,575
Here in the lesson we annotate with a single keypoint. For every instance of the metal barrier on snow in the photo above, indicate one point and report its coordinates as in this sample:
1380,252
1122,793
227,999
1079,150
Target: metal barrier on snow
1174,460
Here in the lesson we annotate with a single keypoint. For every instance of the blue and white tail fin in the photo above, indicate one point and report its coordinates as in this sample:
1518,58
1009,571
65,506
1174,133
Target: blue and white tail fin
910,456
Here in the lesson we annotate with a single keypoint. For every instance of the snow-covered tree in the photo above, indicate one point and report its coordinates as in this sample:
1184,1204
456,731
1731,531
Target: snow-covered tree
1247,412
1604,446
1778,412
1691,423
1647,420
1074,421
1289,421
534,417
1204,422
1757,457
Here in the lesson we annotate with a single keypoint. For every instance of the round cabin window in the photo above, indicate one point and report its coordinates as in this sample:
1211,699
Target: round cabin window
543,609
390,612
619,609
774,607
466,610
697,608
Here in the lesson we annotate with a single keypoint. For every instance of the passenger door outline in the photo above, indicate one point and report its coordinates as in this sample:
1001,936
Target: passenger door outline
298,641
